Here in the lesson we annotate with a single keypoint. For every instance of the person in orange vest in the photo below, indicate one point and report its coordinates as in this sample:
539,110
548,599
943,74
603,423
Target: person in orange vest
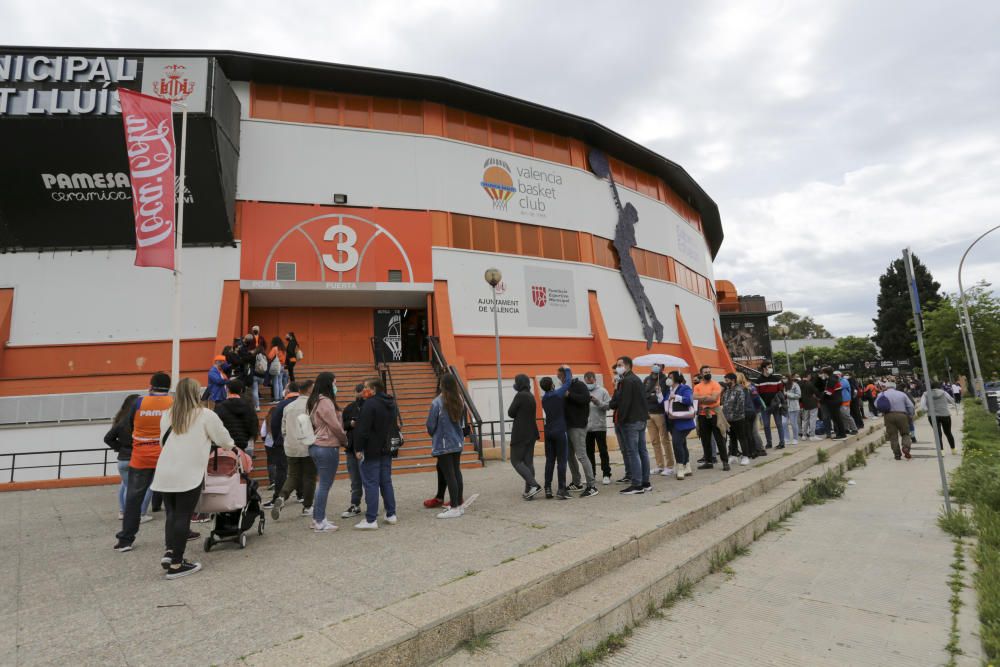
146,413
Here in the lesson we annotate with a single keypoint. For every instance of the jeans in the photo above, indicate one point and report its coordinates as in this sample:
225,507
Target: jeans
809,423
679,439
354,472
848,419
376,474
255,390
635,451
177,526
578,443
792,424
139,480
620,436
600,439
773,411
326,460
522,458
708,431
556,449
123,489
450,466
277,387
301,478
658,436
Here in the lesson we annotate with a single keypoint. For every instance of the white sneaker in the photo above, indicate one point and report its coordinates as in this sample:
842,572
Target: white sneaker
453,513
680,471
145,518
745,461
655,471
795,441
687,469
732,460
121,515
606,480
323,527
307,511
667,472
364,525
392,520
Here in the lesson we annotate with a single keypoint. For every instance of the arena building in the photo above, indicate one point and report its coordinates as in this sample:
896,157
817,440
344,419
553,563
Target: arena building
356,207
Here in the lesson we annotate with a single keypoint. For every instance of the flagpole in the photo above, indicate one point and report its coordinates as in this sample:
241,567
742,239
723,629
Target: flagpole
175,344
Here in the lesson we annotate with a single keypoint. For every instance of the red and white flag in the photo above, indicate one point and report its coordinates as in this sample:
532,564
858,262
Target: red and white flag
149,137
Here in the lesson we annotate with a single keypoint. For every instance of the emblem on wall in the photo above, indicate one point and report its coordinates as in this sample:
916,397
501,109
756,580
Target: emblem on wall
539,295
497,182
624,241
174,85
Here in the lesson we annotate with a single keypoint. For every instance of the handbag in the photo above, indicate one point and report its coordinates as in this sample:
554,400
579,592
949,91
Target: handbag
678,409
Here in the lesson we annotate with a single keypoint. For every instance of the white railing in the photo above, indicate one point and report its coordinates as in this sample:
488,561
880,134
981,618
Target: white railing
58,408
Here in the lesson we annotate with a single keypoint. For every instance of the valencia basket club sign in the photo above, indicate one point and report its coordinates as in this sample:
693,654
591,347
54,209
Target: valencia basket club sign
149,137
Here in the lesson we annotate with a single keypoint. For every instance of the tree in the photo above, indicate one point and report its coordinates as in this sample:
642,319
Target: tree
943,339
847,349
798,327
894,333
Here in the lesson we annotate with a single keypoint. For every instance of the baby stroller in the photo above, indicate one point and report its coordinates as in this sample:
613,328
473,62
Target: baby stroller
231,496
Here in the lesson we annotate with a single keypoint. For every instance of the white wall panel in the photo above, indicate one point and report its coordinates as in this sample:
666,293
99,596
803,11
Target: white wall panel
242,90
99,296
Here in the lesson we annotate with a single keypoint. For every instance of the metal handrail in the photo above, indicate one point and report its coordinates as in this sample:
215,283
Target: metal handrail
387,379
442,367
58,465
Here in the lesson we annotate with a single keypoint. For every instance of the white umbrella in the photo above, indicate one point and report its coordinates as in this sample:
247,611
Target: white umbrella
665,360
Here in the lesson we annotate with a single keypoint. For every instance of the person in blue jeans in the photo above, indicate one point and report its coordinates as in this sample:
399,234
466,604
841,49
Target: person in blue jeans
325,452
632,414
679,408
376,426
119,438
556,439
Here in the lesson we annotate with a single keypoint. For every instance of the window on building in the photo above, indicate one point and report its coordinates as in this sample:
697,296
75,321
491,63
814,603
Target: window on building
461,236
327,108
482,235
551,243
507,237
356,111
571,245
530,242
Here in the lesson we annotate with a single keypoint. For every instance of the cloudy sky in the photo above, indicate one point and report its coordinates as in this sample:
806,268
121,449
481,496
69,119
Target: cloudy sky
830,133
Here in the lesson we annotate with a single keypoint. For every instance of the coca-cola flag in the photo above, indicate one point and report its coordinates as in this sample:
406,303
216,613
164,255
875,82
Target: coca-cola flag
149,137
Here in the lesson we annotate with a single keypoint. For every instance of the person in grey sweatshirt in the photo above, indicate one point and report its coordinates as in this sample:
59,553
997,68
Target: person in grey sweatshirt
597,425
941,403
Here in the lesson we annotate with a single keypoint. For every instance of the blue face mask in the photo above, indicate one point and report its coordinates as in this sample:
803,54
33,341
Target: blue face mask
591,386
657,369
334,390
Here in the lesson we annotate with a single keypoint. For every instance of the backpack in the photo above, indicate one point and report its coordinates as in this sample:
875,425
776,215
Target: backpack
395,440
882,403
305,429
275,368
260,364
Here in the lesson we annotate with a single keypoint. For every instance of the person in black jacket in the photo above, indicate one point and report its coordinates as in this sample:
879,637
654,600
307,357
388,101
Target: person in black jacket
524,434
830,400
371,447
632,415
119,438
577,415
276,452
352,414
238,416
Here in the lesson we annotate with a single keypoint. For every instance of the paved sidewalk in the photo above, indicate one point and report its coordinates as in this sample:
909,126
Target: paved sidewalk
861,580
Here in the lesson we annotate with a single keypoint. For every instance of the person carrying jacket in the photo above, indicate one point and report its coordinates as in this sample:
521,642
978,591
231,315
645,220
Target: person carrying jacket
632,415
352,413
577,415
654,388
296,438
238,416
524,434
217,380
556,439
371,447
597,426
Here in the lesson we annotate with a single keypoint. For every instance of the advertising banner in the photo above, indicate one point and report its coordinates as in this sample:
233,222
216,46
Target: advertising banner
149,138
747,338
388,335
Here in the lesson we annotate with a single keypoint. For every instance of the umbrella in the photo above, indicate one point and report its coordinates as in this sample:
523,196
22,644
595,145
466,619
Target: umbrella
665,360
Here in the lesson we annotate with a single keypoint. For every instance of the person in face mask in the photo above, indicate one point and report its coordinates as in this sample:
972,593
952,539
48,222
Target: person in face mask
524,435
708,393
655,388
830,403
679,408
772,392
632,415
597,425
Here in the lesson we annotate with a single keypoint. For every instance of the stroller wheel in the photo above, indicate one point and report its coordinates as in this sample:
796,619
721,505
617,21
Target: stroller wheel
243,540
209,543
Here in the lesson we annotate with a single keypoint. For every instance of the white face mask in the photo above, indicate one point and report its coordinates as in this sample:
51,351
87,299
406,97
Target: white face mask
670,382
591,386
767,371
620,370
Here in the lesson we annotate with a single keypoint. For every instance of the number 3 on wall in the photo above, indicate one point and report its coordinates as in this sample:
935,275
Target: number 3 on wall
346,238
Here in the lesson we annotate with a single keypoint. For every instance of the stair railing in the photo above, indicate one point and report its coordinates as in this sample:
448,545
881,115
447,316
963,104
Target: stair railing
441,368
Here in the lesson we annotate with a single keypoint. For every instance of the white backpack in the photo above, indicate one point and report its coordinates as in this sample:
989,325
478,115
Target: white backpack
260,364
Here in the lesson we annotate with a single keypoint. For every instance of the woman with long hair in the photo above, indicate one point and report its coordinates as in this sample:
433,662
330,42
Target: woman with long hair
189,432
752,406
119,438
325,452
278,352
291,354
445,422
679,408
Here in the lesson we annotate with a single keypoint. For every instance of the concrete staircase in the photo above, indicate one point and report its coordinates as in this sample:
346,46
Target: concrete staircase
415,385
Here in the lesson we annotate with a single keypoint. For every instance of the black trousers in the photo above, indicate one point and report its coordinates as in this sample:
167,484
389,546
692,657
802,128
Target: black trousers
600,439
741,437
179,507
449,468
522,458
831,415
291,371
139,480
944,423
556,452
708,428
276,458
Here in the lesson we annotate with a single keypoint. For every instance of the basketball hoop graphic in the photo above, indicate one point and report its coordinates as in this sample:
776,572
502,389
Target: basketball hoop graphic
394,338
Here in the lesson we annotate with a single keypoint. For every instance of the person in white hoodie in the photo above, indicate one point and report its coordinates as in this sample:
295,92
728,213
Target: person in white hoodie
942,403
793,392
189,432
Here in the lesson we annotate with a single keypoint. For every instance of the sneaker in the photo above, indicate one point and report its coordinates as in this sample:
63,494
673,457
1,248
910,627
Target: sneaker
548,494
702,460
733,459
666,472
706,466
589,491
632,491
431,503
745,461
606,480
687,469
121,546
351,511
575,487
954,451
655,471
899,458
121,515
761,453
781,446
563,494
647,488
393,520
270,487
453,513
183,570
795,441
193,535
168,557
768,446
323,527
532,492
816,438
725,467
201,518
365,525
624,480
907,456
276,506
295,499
839,439
680,472
268,505
307,511
145,518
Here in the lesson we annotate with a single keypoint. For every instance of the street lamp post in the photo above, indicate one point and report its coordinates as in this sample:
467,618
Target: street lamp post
783,330
493,277
977,380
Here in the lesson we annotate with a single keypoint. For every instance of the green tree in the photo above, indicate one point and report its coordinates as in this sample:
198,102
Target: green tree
894,333
943,339
798,326
853,348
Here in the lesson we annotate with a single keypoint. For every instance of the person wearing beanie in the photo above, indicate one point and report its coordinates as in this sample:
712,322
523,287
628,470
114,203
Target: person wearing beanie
524,434
217,380
146,413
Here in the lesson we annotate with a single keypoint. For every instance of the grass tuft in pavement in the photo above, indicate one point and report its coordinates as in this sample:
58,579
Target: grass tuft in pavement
957,524
830,485
608,646
478,643
822,455
857,460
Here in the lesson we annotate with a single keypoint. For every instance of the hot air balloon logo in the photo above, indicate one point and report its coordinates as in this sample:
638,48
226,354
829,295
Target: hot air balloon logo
497,182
